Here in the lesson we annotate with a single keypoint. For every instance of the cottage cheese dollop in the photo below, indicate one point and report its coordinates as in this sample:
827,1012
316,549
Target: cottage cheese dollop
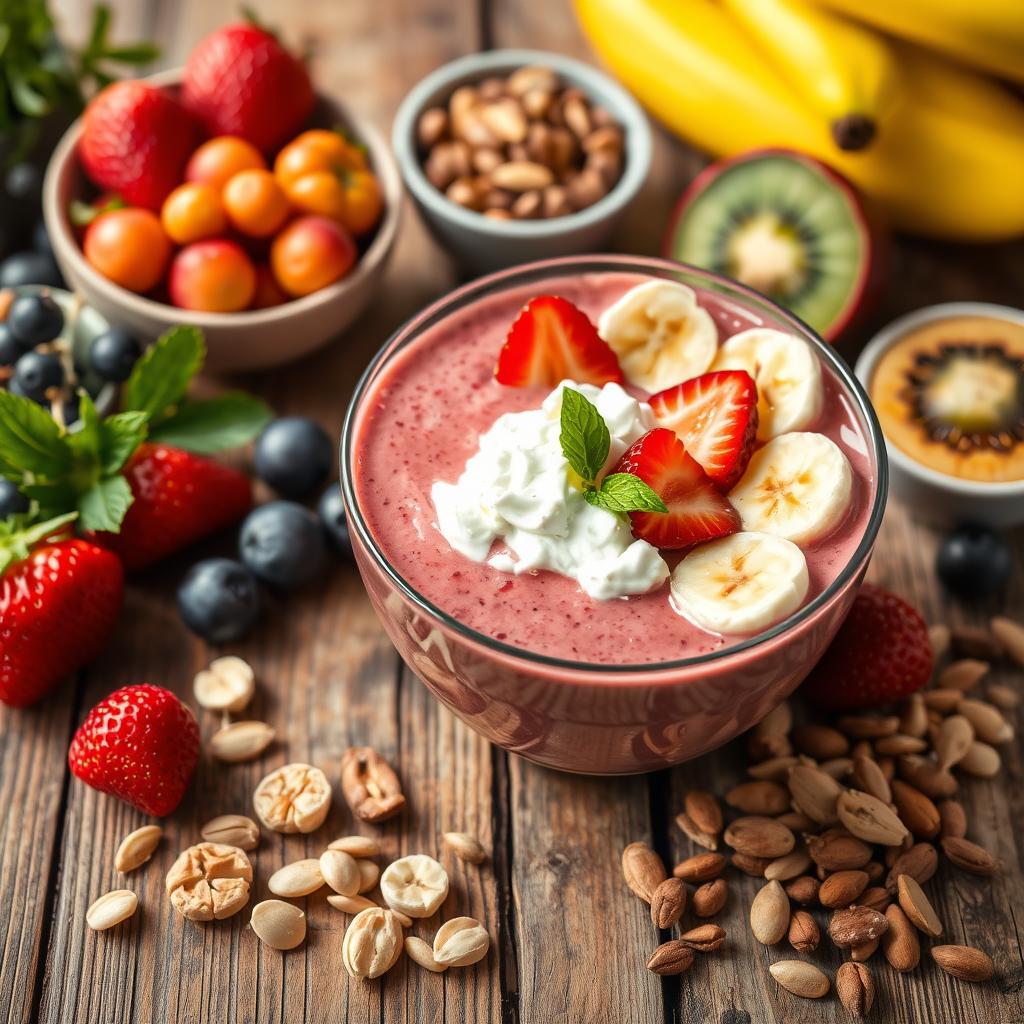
518,488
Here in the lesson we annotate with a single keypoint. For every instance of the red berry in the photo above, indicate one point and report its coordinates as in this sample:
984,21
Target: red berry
697,509
240,81
179,499
136,140
880,655
551,341
57,609
141,745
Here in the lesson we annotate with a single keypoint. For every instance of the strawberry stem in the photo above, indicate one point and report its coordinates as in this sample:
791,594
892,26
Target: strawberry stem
17,545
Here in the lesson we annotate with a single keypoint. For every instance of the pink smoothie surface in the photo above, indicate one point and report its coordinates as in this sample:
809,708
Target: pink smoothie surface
422,419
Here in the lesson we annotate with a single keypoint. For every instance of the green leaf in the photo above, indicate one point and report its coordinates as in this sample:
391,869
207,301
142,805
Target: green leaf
584,436
215,424
624,492
17,538
30,440
86,440
140,53
102,506
119,436
162,375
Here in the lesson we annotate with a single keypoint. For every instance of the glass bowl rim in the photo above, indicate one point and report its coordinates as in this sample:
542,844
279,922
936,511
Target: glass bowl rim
462,296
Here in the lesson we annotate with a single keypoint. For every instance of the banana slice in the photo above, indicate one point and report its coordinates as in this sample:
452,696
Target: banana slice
797,487
787,374
660,334
415,885
740,584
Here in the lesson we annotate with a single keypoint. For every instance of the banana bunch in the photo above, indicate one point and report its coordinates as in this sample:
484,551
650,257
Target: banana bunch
938,148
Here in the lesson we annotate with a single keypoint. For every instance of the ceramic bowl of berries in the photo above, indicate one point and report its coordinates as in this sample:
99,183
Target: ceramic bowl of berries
947,382
516,155
611,510
236,200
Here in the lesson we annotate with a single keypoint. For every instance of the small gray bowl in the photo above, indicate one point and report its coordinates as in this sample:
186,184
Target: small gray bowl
480,243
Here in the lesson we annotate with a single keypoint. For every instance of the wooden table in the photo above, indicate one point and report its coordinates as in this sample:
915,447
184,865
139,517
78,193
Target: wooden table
570,940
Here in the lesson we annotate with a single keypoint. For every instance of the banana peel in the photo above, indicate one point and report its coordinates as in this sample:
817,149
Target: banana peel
946,164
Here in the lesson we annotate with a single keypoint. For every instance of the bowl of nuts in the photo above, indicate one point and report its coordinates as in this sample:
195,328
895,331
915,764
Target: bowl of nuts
513,155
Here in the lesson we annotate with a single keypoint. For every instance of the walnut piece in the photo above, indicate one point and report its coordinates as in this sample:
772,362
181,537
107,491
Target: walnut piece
209,881
294,798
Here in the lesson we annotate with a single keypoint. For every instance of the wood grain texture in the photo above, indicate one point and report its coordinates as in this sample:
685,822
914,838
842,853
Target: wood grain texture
569,940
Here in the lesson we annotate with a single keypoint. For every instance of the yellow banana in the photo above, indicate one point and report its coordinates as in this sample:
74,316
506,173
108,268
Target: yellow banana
987,34
945,166
841,69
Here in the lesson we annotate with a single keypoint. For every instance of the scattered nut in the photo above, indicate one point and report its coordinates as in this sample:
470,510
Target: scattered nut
294,798
209,881
415,885
137,847
420,952
227,685
241,741
341,872
465,847
460,942
278,924
111,909
370,785
232,830
372,944
300,878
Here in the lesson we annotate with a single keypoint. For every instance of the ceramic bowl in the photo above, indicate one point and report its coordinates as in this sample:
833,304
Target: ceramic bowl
249,340
481,244
935,497
585,717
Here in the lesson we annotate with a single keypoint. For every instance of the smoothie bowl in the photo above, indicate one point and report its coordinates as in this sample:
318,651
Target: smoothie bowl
611,511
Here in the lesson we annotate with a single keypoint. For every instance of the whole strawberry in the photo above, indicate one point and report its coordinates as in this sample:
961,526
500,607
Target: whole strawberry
136,140
59,599
141,745
240,81
880,655
179,498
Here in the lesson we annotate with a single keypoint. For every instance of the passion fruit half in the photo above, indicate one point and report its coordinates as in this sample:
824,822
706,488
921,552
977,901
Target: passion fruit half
786,225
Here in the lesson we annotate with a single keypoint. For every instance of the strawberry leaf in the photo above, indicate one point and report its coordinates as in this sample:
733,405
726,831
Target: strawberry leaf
584,435
227,421
30,440
119,436
102,506
18,536
162,375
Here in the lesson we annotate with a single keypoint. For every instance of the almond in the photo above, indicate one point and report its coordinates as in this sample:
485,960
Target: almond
842,888
820,741
241,741
870,778
803,932
521,176
988,721
856,989
900,744
775,769
920,862
710,898
670,957
700,868
975,642
668,903
769,914
838,852
969,856
753,866
869,727
955,736
964,962
137,847
796,821
804,889
770,737
939,638
837,767
705,938
643,870
953,819
876,898
981,761
927,776
855,926
759,797
870,819
900,943
703,808
814,793
962,675
800,978
794,863
918,812
709,840
865,951
760,837
111,909
1006,698
1010,635
914,720
917,907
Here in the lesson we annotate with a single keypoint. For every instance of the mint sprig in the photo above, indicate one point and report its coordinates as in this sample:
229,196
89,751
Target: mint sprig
585,443
80,472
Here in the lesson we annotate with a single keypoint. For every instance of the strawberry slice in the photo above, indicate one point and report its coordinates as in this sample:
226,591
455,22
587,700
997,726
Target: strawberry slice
697,509
551,341
715,416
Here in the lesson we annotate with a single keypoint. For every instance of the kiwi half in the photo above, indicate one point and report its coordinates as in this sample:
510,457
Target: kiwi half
787,226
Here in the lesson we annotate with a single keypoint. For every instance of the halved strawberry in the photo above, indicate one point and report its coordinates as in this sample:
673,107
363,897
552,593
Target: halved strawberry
551,341
715,416
697,509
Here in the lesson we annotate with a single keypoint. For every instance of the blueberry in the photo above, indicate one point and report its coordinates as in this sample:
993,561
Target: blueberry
24,182
30,268
41,239
293,455
35,373
332,518
282,544
219,600
114,353
12,501
974,561
34,319
10,350
71,410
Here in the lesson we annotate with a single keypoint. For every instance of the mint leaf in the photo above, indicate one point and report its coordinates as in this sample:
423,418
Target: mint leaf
85,441
227,421
102,506
624,492
584,438
119,436
162,375
30,441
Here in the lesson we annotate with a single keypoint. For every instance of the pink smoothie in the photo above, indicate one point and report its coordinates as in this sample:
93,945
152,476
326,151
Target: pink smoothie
421,421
